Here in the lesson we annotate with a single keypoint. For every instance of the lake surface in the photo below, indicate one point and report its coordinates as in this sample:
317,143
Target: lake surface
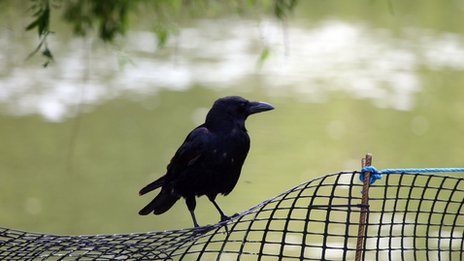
82,136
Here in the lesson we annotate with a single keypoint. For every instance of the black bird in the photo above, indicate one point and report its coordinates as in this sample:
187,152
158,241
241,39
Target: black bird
210,159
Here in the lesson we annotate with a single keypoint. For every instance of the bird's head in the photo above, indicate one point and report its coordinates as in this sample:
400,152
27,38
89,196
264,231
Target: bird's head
235,108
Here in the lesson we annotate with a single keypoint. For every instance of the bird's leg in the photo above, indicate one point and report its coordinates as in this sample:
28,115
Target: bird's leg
191,203
223,216
195,223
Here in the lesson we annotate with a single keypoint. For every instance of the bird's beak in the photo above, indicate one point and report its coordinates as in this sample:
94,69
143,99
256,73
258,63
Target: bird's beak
255,107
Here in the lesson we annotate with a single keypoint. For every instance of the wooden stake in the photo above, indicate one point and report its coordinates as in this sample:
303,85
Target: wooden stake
367,161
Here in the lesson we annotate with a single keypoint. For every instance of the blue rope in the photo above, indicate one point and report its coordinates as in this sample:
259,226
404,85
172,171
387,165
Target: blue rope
377,174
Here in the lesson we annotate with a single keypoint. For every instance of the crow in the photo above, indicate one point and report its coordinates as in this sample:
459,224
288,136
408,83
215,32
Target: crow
209,161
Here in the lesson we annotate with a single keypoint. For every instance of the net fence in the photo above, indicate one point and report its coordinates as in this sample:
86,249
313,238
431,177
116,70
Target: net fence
409,217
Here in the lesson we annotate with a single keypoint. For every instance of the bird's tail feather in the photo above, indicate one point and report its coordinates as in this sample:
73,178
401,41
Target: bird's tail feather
154,185
160,204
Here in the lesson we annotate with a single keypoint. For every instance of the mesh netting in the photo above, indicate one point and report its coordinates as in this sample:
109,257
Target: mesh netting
410,217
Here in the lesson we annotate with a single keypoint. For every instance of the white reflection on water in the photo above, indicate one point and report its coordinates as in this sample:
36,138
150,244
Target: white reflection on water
362,62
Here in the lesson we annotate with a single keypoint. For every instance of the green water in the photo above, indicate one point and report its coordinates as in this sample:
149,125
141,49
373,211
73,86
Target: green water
75,164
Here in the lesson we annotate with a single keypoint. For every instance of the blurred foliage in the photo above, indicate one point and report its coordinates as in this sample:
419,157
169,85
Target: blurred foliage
41,12
263,57
282,7
111,17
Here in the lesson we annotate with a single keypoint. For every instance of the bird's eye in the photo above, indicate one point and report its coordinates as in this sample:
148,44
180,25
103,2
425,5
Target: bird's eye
243,104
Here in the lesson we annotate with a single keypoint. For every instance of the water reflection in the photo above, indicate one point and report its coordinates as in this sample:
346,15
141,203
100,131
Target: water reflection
305,62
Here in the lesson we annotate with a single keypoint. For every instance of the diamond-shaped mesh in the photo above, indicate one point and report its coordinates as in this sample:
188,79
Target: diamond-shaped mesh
410,217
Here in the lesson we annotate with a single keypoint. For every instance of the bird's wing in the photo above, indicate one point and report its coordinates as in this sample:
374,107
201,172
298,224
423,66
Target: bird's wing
196,143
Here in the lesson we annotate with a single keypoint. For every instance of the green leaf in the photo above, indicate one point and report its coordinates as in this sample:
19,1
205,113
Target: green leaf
162,34
32,25
47,53
44,22
263,57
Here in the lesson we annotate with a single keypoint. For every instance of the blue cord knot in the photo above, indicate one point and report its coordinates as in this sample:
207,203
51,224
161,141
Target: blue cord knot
375,174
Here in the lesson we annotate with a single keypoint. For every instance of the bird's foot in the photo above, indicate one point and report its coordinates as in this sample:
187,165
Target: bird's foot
202,230
224,218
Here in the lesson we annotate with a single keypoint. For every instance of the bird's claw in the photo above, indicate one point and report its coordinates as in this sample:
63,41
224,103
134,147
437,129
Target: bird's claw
225,218
202,230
